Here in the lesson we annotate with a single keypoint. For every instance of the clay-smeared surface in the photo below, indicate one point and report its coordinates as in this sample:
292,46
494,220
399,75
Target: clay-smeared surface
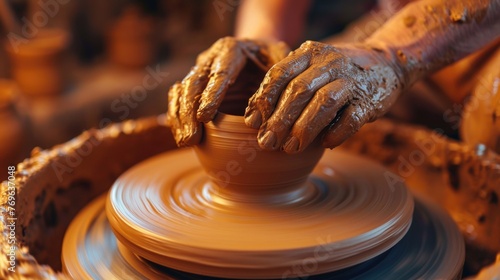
197,98
167,211
332,91
91,251
233,160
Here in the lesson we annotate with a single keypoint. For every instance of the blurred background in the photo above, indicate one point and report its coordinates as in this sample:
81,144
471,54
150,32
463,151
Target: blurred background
67,66
70,65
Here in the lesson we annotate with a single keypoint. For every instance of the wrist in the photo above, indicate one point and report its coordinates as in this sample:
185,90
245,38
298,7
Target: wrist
385,75
383,56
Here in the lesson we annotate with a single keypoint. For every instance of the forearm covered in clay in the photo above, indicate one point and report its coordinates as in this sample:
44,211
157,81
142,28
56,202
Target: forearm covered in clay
428,35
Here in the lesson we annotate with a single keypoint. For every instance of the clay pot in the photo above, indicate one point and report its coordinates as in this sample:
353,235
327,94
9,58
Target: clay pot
131,40
37,63
231,156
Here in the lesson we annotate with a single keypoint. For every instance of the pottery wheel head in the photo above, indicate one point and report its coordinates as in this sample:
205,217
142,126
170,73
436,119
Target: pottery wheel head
167,210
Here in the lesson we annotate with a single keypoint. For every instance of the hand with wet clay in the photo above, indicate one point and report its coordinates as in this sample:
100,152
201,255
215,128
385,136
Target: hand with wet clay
322,91
321,88
328,92
197,98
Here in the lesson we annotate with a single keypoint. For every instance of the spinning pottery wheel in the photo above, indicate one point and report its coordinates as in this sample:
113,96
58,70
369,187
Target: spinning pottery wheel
230,210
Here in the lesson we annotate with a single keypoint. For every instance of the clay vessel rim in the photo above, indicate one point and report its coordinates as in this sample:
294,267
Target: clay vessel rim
229,117
235,123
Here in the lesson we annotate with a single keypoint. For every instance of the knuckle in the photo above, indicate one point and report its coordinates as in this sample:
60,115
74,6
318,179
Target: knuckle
262,102
303,130
326,97
358,97
278,70
358,119
299,86
279,125
193,74
332,95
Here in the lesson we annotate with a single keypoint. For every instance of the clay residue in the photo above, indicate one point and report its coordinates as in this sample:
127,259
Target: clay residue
50,188
409,21
98,246
402,56
460,16
440,33
304,93
278,231
200,94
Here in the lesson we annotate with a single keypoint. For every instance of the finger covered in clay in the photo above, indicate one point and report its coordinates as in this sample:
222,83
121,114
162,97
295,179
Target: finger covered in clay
302,97
197,98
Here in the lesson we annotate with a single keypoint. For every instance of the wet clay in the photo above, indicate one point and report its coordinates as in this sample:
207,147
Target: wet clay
428,35
180,219
242,212
320,86
234,162
92,250
245,213
332,91
197,98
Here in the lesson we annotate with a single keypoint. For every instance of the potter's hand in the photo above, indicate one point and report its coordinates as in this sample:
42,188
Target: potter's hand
198,96
321,87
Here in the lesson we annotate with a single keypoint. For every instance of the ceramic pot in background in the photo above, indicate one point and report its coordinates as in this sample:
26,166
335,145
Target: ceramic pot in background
131,40
37,65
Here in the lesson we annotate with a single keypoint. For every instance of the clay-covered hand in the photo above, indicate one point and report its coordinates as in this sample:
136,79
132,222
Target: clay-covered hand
317,88
197,98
